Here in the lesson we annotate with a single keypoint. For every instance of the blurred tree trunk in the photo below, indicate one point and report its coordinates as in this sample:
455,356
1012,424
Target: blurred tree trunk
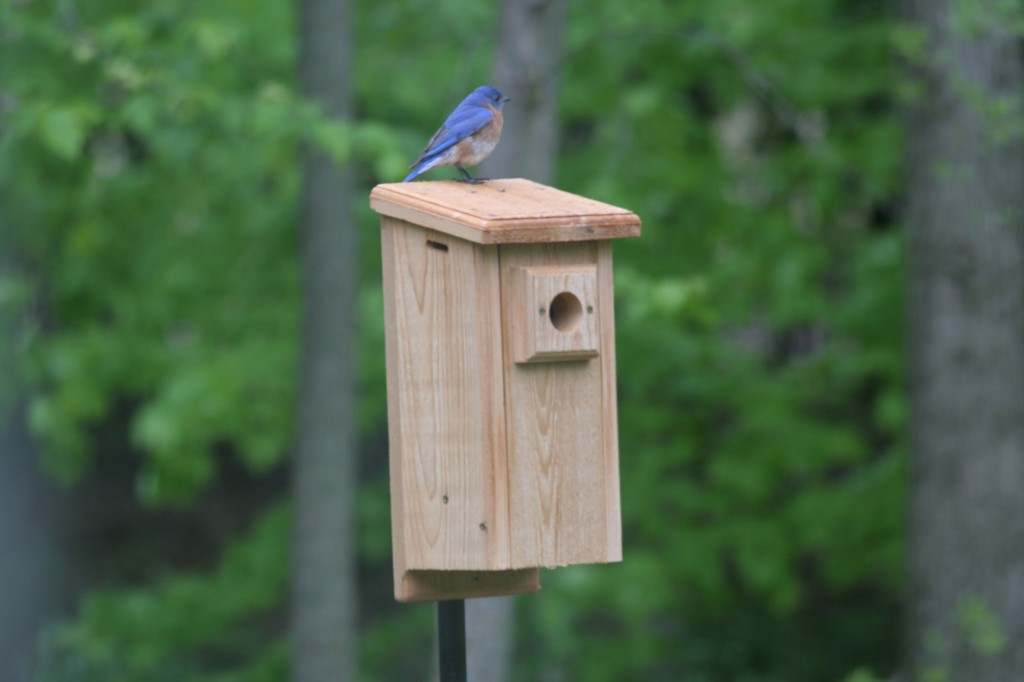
966,214
527,68
323,580
35,568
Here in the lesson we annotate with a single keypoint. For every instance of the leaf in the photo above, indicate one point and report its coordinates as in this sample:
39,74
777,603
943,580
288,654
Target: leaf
862,675
214,39
982,626
335,138
63,129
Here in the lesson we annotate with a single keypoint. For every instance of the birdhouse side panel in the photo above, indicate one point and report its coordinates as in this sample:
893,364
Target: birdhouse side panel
445,399
609,403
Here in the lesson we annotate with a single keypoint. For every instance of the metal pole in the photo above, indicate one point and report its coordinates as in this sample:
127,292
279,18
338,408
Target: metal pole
451,639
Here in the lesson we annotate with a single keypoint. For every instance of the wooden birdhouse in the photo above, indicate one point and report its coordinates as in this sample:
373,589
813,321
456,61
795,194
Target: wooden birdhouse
500,342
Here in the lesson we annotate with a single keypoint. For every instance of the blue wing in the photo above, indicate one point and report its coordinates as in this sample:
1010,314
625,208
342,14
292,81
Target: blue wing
463,122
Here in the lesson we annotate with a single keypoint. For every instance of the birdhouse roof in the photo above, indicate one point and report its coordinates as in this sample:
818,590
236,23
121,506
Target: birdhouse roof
512,211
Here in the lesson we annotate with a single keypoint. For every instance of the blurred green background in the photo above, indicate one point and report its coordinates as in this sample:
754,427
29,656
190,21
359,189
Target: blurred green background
149,197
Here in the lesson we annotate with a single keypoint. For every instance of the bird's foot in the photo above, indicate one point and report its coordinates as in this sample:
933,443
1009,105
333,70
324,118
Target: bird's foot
466,177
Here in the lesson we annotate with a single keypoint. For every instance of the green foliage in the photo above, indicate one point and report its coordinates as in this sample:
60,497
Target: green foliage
149,166
186,627
862,675
760,336
982,627
167,281
168,254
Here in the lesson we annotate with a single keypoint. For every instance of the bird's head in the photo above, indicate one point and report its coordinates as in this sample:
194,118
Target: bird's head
490,96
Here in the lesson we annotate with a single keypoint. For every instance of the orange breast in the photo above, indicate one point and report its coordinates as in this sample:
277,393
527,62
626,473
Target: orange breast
480,144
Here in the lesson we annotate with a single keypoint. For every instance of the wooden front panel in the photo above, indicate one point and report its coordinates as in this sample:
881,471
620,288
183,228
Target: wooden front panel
561,423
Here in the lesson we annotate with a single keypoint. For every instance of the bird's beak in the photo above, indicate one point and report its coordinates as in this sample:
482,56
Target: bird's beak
506,99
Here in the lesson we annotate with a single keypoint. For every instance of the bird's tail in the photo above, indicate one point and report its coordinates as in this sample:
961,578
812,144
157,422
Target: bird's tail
422,168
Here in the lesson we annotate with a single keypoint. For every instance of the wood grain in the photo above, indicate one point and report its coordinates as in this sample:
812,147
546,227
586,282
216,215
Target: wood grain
513,211
502,416
535,333
445,401
415,586
562,443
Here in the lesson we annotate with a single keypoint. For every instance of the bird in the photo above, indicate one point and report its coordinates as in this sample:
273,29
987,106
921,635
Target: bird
468,136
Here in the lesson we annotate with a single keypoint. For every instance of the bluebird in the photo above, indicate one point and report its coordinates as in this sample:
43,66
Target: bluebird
467,137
